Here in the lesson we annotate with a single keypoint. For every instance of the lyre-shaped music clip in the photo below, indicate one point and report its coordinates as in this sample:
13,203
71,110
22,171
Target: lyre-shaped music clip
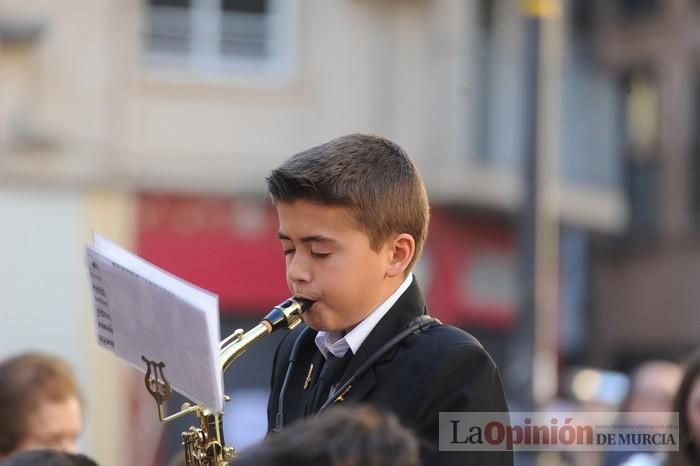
160,389
156,383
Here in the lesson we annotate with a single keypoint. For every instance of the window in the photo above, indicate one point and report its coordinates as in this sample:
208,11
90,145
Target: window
490,278
631,11
641,164
485,62
581,19
695,153
245,35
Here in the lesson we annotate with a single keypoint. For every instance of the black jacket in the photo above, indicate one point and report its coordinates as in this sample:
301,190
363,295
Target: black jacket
440,369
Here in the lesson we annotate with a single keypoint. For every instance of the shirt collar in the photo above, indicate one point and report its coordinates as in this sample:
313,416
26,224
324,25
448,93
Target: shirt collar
337,344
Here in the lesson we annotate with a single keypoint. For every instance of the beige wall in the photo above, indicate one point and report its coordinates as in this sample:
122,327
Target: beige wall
392,68
109,380
62,86
402,69
45,300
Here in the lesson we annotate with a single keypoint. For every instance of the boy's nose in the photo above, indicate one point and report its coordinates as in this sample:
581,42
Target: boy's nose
298,270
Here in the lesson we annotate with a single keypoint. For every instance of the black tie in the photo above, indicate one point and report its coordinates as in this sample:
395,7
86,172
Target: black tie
330,373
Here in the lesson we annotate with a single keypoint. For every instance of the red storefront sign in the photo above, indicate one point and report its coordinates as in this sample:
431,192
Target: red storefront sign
472,270
229,247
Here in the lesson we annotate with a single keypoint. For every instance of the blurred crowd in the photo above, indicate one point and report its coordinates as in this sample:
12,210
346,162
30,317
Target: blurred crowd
649,395
41,411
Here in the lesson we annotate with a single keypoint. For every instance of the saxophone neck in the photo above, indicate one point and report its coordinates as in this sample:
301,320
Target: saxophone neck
240,344
285,315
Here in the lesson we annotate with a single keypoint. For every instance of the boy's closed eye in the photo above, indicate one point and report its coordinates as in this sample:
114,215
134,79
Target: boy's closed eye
317,255
316,245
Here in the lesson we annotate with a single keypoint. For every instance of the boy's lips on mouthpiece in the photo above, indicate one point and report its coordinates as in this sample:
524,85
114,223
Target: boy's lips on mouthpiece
313,301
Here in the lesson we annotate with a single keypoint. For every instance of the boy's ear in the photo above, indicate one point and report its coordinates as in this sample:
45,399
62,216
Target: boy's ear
403,247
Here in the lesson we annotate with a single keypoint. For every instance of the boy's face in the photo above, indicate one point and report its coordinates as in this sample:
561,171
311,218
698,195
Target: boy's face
329,260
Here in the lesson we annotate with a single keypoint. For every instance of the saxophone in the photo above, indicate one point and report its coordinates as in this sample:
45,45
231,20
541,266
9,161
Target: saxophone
204,444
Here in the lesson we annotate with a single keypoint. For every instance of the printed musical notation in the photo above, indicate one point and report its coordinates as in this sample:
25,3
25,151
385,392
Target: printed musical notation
141,310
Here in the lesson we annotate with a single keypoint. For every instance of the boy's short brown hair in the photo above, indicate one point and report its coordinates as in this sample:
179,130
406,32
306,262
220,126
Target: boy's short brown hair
370,175
25,381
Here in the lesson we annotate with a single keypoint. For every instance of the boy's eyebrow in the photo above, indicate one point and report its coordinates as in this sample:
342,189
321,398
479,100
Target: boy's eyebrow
309,239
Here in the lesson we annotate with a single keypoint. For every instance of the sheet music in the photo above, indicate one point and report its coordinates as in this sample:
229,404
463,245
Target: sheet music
141,309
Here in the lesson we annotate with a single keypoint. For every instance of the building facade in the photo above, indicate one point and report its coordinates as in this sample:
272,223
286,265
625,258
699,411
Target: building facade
155,122
645,278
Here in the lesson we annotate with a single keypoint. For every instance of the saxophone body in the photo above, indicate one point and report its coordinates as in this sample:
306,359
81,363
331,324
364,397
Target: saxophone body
204,444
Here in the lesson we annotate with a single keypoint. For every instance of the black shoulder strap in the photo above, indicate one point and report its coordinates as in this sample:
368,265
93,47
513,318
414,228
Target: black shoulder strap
279,417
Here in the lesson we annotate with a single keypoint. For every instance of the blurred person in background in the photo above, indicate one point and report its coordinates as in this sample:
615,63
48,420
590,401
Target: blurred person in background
47,458
687,405
649,401
348,435
590,391
40,404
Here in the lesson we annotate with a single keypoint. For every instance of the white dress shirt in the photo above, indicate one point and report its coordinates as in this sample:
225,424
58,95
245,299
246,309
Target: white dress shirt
337,344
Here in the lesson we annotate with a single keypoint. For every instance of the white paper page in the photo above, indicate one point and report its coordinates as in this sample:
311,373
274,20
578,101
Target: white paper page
142,310
196,296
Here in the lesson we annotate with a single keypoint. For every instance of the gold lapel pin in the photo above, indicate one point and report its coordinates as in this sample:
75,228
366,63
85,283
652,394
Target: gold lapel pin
308,377
340,398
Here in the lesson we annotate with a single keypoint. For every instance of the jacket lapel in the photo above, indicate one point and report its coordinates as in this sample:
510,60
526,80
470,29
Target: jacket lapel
298,391
409,306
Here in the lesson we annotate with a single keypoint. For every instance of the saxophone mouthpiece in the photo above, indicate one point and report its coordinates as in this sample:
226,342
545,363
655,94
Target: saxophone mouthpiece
288,313
305,303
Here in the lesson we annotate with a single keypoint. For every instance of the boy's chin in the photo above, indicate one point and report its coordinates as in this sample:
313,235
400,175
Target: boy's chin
316,321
